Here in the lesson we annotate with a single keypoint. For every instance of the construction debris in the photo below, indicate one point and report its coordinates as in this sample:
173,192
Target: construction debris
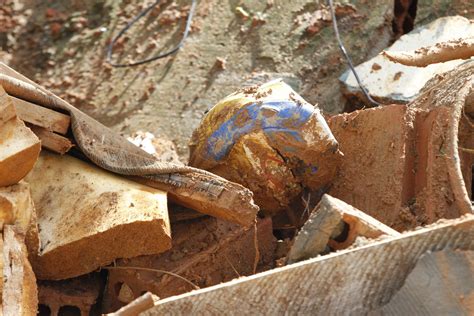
334,225
439,53
394,171
205,252
19,293
326,285
79,293
40,116
52,141
88,217
19,147
394,83
450,276
86,224
141,304
16,208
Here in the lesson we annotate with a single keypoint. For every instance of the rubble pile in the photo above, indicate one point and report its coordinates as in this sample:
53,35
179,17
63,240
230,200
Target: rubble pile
281,208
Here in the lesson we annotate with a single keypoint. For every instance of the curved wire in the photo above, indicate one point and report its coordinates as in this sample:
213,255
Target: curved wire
348,58
153,270
162,55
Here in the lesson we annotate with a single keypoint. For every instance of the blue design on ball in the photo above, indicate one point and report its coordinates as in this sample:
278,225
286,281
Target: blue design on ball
272,117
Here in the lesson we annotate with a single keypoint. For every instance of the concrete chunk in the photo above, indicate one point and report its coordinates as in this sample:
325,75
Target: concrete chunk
88,217
392,82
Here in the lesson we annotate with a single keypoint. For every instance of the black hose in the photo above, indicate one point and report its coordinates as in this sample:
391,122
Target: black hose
348,58
162,55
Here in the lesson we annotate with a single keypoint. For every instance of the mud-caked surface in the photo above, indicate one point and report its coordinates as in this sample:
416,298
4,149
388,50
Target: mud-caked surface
371,176
205,252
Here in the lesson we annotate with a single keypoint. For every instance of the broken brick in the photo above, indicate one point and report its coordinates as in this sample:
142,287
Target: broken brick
19,295
81,293
88,217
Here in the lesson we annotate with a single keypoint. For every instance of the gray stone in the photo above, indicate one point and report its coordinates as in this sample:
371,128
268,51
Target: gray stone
395,83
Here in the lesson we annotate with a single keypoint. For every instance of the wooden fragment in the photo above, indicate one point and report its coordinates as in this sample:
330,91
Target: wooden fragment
52,141
89,217
326,224
40,116
352,281
7,110
439,53
19,149
20,294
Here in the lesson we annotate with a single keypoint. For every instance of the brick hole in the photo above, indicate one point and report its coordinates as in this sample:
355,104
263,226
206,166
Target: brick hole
345,233
117,288
44,310
68,310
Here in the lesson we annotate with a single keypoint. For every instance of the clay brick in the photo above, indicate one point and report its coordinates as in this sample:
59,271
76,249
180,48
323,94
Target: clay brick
408,167
19,295
375,144
81,293
335,224
88,217
205,251
7,109
16,208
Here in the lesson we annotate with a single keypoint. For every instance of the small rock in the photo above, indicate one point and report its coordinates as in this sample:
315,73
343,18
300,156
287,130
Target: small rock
240,12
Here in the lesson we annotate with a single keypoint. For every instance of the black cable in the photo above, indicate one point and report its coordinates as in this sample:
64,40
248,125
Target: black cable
162,55
348,58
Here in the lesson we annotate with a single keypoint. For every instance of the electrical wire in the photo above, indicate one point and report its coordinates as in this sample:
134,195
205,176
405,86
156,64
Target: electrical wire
348,58
159,56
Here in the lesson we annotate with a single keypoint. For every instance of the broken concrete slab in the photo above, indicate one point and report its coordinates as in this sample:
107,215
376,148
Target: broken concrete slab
205,251
439,53
336,225
450,278
89,217
327,284
394,83
20,294
81,293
